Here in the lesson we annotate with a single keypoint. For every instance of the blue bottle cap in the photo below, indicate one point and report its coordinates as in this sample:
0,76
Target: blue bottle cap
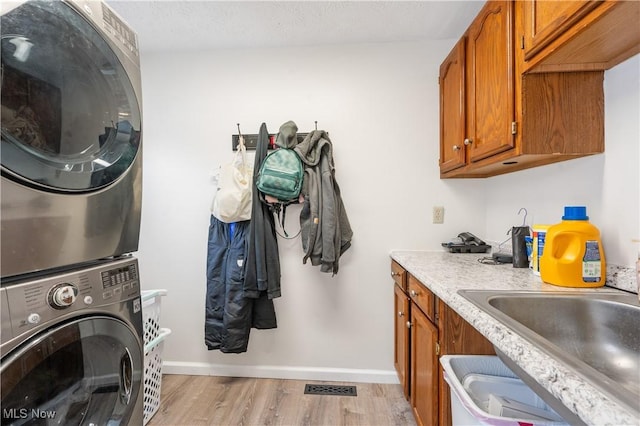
575,213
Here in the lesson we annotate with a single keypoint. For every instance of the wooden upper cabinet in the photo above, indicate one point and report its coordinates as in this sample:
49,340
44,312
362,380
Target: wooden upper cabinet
477,101
546,20
509,119
453,108
590,35
490,81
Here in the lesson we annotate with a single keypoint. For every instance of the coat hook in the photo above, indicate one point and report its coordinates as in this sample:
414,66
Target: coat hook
316,124
239,132
524,221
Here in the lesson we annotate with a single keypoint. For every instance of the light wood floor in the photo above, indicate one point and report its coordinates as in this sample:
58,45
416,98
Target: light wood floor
230,401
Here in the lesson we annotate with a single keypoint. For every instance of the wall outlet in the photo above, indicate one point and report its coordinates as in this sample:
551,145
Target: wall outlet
438,214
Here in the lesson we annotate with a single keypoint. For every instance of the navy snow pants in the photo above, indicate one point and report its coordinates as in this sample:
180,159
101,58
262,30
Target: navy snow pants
229,315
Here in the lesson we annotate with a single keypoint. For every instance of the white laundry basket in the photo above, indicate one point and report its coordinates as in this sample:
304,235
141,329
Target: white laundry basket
154,337
484,391
151,304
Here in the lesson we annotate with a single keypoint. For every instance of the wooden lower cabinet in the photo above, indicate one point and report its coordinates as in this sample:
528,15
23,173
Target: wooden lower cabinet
425,329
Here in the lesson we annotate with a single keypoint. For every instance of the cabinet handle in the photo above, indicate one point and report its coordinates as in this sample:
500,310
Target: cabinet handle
413,293
456,148
400,314
408,324
468,141
395,274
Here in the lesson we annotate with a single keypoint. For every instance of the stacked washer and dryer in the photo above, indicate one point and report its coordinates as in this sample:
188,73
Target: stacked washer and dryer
72,338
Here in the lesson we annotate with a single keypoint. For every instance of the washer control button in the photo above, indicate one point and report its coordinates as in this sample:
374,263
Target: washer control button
33,318
88,300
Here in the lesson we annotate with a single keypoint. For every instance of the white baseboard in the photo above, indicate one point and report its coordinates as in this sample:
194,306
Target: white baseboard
277,372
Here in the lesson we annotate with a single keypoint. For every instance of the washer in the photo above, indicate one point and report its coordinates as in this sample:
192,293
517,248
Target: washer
71,135
72,348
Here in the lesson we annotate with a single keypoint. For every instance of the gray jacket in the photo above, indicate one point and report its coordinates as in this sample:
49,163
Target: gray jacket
325,229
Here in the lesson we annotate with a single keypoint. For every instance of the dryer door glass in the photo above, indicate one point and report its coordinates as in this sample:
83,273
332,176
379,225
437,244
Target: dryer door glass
88,371
70,116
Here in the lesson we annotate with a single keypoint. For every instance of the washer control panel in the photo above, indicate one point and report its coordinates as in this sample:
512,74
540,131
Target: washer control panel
35,302
119,280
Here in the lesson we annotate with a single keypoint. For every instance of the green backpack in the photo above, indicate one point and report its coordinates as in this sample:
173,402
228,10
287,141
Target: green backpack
281,175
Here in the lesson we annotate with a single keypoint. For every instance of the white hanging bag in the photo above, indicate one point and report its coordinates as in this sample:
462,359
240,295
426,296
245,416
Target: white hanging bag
232,201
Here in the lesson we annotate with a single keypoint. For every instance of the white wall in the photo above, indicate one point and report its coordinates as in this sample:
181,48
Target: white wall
380,105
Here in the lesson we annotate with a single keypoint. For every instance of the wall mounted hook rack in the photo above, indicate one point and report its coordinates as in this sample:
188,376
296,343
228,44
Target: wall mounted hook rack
251,140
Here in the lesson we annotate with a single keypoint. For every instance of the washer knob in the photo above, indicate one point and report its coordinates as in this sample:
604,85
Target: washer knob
63,296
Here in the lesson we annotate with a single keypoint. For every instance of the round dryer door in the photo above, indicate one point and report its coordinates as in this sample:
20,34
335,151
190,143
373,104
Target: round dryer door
70,116
88,371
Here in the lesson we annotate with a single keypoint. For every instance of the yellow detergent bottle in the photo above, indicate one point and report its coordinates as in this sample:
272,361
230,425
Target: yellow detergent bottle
573,254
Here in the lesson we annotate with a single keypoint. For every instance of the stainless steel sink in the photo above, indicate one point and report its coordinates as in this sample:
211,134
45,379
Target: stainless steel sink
596,335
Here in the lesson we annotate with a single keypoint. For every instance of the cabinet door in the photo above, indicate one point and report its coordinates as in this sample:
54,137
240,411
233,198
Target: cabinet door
424,368
452,109
401,346
490,81
545,20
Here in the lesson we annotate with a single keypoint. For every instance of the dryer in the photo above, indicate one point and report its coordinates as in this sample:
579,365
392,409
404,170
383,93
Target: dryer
72,347
71,135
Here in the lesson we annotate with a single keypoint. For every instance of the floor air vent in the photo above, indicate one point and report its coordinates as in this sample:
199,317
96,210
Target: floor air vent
330,390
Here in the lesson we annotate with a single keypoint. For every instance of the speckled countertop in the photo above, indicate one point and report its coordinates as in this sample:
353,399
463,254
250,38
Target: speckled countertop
445,273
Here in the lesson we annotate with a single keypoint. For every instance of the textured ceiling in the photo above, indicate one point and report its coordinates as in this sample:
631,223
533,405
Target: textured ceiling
169,25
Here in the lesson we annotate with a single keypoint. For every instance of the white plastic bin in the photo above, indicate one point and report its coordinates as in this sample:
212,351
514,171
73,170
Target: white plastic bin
484,391
154,337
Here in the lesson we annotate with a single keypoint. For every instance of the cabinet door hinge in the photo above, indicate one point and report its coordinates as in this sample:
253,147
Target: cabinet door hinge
437,348
514,127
